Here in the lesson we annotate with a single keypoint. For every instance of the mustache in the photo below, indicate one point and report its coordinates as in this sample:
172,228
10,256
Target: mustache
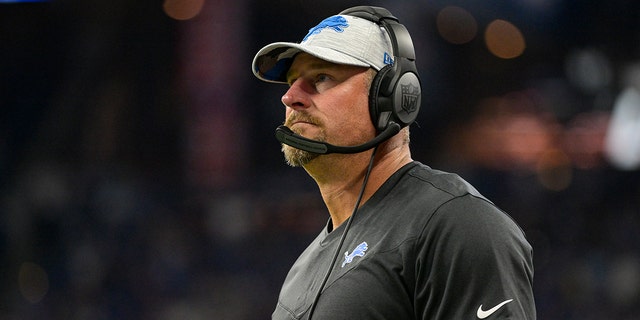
301,117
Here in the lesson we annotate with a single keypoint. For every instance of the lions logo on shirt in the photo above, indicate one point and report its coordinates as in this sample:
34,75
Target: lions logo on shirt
357,252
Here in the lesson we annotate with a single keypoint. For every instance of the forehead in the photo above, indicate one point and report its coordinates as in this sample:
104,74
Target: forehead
305,62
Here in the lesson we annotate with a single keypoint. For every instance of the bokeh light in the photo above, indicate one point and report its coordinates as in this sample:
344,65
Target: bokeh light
589,70
504,40
456,25
33,282
182,9
622,143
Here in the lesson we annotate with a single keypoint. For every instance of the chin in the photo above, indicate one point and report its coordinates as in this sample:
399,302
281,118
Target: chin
296,157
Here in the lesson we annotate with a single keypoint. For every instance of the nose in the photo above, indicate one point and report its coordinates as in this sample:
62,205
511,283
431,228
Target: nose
296,96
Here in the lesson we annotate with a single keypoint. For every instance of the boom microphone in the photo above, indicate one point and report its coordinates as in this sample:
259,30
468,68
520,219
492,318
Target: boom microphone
288,137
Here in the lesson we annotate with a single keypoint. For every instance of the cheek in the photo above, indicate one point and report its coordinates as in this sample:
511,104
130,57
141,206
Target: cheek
356,105
361,113
355,120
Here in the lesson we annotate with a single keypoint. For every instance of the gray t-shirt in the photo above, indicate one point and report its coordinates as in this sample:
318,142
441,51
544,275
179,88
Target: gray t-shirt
427,245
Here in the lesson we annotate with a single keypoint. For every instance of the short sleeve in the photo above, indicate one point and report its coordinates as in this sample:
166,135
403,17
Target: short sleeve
473,262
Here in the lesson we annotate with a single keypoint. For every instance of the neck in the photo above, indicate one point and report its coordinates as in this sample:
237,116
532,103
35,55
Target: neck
340,177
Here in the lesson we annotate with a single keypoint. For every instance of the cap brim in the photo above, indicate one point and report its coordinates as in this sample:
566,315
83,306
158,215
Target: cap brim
272,62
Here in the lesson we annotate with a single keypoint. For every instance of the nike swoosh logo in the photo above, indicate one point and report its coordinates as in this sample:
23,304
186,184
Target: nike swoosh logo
483,314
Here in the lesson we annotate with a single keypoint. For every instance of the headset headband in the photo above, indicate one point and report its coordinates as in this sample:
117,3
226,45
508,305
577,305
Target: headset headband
400,38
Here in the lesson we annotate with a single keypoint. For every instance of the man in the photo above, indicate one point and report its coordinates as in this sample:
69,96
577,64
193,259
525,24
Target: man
403,241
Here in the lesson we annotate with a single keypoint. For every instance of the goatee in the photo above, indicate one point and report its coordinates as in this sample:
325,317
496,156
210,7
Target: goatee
294,156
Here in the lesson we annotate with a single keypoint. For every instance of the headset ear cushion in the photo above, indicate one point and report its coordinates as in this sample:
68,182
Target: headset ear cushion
380,104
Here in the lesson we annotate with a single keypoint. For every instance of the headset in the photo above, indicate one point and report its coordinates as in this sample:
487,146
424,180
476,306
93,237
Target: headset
395,94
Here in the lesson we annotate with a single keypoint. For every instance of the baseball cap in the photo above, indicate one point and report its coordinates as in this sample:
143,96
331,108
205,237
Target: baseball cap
340,39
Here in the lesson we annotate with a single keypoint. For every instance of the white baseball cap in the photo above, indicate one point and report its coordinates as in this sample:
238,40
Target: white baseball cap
340,39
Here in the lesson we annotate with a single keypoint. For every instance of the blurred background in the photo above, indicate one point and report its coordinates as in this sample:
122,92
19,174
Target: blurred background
140,179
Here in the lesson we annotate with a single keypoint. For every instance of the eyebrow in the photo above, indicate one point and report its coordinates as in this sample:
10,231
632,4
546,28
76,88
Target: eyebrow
316,65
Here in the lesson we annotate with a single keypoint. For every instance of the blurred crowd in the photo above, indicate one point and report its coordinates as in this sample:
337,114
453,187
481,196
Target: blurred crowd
141,179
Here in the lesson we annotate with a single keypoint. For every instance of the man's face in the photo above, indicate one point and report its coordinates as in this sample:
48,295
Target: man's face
326,102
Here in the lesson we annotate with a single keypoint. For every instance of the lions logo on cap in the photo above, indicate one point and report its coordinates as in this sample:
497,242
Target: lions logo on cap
337,23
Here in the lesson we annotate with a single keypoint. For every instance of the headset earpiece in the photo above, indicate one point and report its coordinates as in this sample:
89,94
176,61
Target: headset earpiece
395,94
379,102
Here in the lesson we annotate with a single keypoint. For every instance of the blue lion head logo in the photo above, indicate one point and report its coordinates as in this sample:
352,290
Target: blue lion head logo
337,23
359,251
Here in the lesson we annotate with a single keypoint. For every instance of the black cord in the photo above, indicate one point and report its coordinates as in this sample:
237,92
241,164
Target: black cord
344,235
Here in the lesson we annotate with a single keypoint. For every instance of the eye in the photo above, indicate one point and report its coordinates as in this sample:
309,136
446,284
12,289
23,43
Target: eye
323,81
322,78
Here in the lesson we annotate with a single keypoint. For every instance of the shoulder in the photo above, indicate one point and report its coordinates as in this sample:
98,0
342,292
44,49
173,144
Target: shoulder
446,182
419,191
448,204
433,206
